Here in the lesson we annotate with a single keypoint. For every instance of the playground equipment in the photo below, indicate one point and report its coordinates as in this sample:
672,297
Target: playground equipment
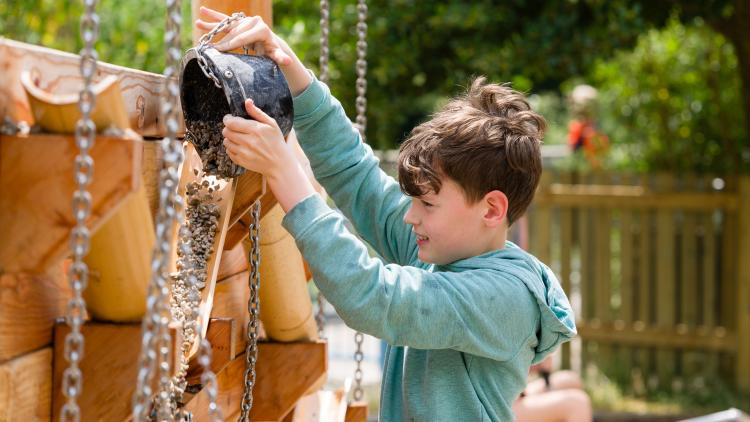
89,368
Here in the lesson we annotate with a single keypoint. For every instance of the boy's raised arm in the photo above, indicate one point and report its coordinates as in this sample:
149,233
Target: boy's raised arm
351,174
342,163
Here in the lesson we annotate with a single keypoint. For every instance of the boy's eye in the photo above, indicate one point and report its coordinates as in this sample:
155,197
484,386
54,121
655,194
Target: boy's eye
425,203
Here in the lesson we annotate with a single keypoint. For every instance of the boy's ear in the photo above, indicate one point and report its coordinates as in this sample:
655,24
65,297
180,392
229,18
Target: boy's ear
496,204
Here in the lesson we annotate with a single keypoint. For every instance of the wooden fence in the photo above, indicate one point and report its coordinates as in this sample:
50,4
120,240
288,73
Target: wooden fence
658,267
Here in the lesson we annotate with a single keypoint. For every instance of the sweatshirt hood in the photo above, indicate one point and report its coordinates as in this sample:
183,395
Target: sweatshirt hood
557,322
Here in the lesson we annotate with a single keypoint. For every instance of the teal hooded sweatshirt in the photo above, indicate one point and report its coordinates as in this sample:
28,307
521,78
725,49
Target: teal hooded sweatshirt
461,337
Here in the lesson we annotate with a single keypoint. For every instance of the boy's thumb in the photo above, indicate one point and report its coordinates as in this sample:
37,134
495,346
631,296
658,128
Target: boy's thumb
256,113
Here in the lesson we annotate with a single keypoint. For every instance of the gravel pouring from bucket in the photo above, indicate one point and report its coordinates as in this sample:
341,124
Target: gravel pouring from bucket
204,104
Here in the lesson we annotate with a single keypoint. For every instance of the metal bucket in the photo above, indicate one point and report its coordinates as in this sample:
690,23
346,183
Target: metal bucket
204,104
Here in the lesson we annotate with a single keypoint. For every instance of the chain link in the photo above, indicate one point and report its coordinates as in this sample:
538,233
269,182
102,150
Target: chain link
320,317
156,339
253,308
361,67
358,357
80,237
206,38
325,52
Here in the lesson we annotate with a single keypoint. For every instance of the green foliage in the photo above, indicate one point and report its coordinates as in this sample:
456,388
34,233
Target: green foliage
674,103
422,52
131,32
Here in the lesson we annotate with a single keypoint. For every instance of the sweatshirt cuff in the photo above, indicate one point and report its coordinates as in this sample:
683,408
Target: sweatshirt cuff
304,214
310,99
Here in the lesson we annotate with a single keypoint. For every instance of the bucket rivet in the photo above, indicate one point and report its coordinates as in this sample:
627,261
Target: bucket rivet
228,73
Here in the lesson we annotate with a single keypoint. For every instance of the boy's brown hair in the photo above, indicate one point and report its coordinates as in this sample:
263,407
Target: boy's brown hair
487,139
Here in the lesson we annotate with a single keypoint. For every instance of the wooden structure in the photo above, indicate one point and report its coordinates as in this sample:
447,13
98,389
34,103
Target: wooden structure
660,264
36,180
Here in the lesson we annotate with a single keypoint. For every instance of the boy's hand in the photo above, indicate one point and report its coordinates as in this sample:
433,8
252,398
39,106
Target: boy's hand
258,145
251,31
246,32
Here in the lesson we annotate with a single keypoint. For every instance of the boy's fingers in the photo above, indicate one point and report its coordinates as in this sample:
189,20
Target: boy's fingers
258,114
238,124
249,37
280,57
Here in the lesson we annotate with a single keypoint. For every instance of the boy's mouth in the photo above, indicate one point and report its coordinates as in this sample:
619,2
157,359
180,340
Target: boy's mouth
421,240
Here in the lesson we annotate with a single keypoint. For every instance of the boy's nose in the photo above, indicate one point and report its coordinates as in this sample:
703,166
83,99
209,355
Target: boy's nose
409,217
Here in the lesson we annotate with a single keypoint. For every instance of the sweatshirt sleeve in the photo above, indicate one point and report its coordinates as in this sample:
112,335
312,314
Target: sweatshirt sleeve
346,167
478,311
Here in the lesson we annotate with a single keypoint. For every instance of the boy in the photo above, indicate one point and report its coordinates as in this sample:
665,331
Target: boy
465,313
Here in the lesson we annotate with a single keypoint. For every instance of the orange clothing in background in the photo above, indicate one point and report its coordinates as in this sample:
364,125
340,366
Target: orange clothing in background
583,135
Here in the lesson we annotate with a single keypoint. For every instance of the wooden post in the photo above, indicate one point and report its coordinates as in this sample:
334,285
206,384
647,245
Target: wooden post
262,8
743,286
665,280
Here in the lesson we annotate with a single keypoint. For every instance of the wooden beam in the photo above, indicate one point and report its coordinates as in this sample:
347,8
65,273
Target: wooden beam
233,261
57,71
29,304
230,301
606,196
356,412
285,371
238,231
262,8
109,367
223,196
25,387
637,334
224,348
36,179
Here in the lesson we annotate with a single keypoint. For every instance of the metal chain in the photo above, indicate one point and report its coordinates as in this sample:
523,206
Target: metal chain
325,52
358,357
155,343
361,124
361,86
80,237
253,308
320,317
206,38
208,380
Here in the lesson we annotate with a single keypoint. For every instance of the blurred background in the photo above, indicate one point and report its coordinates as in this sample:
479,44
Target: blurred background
644,211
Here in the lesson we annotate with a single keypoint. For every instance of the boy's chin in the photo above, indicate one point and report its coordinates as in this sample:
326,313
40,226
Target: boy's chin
428,258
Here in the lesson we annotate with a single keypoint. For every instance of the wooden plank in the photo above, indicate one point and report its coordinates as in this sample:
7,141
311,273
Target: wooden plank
356,412
692,362
238,231
233,261
29,304
285,372
710,286
109,367
700,338
665,280
262,8
541,229
642,357
25,387
230,301
602,281
223,196
221,334
566,247
742,375
36,178
625,354
57,71
619,197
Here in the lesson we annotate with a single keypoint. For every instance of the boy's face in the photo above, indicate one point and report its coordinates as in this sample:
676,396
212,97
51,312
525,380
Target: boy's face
448,228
